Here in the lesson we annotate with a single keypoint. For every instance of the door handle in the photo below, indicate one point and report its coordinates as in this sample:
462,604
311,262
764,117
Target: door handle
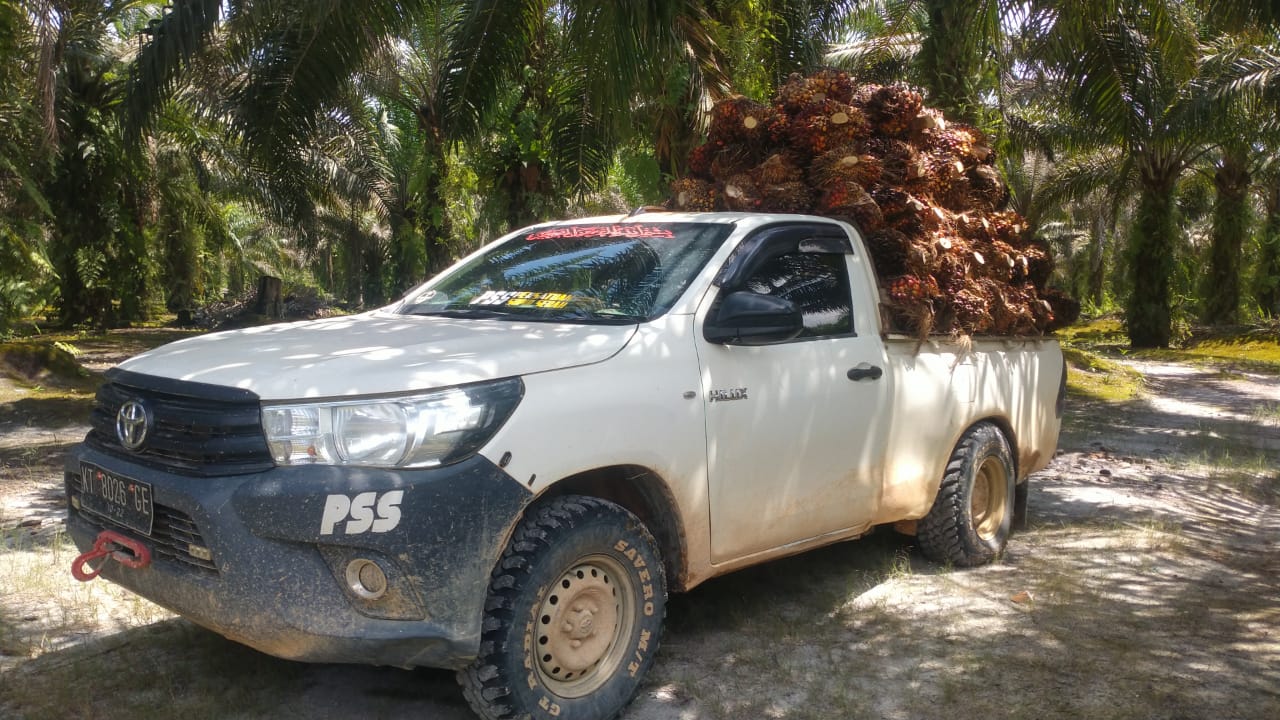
866,372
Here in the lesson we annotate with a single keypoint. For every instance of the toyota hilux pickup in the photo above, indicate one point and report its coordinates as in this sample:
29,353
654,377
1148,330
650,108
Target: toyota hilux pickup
508,470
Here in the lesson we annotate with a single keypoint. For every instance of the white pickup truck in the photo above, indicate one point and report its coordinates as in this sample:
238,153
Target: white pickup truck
507,471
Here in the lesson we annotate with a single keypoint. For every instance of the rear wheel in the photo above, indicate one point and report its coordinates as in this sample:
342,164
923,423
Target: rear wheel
971,517
573,618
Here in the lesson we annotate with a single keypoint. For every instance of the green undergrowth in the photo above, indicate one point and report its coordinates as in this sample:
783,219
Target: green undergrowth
1095,377
41,362
1236,349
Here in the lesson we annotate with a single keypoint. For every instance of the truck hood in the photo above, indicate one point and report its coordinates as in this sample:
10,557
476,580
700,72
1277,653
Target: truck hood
377,353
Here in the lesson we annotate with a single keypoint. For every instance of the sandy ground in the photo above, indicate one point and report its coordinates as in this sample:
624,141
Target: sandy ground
1145,587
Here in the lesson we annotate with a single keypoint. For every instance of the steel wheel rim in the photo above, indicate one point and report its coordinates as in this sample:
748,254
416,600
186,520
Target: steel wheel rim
580,626
988,498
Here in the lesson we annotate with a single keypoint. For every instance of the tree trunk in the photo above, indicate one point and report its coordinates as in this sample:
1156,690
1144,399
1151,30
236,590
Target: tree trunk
431,211
1267,275
950,58
1148,312
270,300
1220,287
437,231
1097,261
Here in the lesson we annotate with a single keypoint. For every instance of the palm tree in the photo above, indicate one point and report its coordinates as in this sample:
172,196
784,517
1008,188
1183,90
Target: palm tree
24,168
1134,74
1266,284
98,191
959,52
1249,73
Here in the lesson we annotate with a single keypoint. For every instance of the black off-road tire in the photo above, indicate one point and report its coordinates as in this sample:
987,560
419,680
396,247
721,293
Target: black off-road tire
972,515
573,618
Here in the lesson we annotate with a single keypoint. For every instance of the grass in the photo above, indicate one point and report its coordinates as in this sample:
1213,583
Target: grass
45,608
1247,349
1092,376
167,670
144,664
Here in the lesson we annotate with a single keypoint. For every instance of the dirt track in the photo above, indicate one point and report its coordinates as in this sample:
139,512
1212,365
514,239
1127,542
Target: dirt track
1146,587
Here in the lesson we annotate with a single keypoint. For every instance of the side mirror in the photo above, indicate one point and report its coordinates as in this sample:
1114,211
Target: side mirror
747,318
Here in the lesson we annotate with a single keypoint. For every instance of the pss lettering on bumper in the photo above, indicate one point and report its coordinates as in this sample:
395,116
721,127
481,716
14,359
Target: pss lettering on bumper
366,512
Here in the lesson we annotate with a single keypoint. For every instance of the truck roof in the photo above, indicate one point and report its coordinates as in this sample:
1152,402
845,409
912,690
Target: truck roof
728,218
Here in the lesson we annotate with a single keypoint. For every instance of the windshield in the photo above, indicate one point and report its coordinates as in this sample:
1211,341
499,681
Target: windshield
630,272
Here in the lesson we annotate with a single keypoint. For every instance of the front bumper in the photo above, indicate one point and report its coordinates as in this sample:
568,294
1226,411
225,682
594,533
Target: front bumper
263,558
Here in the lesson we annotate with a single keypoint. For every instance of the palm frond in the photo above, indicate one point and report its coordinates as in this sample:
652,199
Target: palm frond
175,38
488,44
1109,169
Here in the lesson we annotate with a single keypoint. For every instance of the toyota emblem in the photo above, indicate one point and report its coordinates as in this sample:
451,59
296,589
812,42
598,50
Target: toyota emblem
132,424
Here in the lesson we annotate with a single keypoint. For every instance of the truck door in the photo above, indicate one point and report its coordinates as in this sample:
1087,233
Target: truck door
794,435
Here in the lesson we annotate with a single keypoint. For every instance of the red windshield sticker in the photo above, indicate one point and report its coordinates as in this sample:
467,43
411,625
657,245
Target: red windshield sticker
601,231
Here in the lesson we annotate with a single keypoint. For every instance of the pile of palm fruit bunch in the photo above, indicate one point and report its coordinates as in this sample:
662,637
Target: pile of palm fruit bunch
923,191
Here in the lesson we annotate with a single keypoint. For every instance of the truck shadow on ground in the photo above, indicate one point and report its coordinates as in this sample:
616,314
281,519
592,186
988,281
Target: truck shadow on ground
1105,621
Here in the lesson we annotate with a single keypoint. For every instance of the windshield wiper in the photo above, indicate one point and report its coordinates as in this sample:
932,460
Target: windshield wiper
607,316
467,313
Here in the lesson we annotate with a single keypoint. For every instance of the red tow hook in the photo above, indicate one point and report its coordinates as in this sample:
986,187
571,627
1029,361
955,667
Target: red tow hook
111,546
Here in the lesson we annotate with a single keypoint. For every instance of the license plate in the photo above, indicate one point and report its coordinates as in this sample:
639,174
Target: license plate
117,498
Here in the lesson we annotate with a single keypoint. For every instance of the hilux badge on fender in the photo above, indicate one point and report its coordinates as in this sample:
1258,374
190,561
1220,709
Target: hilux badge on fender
728,395
132,425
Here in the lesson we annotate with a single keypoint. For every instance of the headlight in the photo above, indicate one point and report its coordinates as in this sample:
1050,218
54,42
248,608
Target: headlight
422,430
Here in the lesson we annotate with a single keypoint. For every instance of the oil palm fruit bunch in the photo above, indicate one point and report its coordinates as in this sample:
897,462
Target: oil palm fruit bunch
892,109
849,200
901,164
964,142
911,303
1007,226
777,168
974,227
972,307
1041,310
987,190
740,192
1003,261
839,197
837,85
699,160
888,249
693,195
1066,309
892,201
799,91
923,191
731,160
953,272
740,121
862,95
946,181
1039,263
909,289
845,164
787,197
824,125
926,126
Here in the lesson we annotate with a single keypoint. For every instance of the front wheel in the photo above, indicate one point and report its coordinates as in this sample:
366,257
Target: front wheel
573,618
971,517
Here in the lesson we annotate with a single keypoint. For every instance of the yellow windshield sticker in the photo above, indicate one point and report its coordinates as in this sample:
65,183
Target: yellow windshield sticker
517,298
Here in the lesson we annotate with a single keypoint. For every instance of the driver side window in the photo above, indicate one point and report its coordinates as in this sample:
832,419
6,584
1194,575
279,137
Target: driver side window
818,283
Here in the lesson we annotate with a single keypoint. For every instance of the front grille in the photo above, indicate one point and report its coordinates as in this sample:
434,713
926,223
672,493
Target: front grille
197,429
176,536
173,535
